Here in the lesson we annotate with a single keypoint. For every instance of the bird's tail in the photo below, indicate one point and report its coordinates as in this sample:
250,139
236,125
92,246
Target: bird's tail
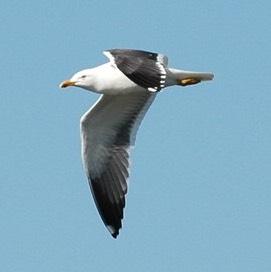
185,78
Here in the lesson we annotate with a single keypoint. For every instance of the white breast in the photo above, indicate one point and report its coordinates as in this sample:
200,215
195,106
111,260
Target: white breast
110,80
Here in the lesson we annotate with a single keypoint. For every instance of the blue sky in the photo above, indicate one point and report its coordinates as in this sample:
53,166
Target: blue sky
199,196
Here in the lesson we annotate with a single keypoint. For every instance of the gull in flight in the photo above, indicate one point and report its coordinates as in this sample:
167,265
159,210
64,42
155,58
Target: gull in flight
128,85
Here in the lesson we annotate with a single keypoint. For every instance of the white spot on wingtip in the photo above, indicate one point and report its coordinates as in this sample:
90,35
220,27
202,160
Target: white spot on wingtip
153,90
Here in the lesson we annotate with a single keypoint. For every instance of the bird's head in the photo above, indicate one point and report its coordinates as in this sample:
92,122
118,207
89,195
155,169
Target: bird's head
83,79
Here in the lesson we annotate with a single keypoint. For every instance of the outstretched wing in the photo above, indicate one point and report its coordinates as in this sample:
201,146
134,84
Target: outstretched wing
146,69
108,130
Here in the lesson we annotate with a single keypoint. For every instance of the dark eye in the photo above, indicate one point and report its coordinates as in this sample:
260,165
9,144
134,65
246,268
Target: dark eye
84,76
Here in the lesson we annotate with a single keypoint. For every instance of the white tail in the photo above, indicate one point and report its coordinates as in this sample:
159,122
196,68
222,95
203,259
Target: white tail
184,78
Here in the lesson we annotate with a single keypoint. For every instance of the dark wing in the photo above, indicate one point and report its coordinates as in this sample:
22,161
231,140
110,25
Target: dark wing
146,69
108,130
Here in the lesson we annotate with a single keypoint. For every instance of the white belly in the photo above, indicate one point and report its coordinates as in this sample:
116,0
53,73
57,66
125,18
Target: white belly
112,81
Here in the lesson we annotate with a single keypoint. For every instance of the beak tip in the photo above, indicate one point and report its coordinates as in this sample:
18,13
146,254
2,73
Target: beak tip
66,83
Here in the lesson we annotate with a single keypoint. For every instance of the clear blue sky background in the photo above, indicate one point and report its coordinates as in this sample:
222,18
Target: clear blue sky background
199,196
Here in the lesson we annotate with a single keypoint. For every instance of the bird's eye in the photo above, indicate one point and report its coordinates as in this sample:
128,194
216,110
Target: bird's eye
84,76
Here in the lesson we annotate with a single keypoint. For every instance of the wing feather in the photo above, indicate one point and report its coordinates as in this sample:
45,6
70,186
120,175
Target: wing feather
146,69
108,130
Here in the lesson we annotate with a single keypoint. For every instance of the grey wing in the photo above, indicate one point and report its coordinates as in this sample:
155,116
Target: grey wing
108,130
146,69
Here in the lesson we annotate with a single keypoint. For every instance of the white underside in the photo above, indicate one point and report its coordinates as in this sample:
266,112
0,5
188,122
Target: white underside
110,80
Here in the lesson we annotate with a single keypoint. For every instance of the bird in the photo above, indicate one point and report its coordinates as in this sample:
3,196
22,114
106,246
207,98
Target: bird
128,84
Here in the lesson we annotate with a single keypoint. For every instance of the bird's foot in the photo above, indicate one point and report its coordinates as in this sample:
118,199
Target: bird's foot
188,81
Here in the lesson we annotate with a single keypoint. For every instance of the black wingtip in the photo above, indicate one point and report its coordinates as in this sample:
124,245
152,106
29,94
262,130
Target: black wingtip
113,231
115,235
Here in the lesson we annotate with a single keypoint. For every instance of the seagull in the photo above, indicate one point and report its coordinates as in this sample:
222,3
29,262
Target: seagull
128,85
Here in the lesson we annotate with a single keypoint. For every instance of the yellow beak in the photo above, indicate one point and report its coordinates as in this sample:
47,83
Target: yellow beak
66,83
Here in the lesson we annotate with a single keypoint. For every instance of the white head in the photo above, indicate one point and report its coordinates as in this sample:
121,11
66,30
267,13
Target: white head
84,79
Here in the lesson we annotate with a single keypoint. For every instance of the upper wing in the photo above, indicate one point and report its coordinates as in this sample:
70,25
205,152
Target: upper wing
108,130
146,69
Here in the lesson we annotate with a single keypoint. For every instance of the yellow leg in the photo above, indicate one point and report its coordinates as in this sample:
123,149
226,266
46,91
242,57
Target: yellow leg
188,81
